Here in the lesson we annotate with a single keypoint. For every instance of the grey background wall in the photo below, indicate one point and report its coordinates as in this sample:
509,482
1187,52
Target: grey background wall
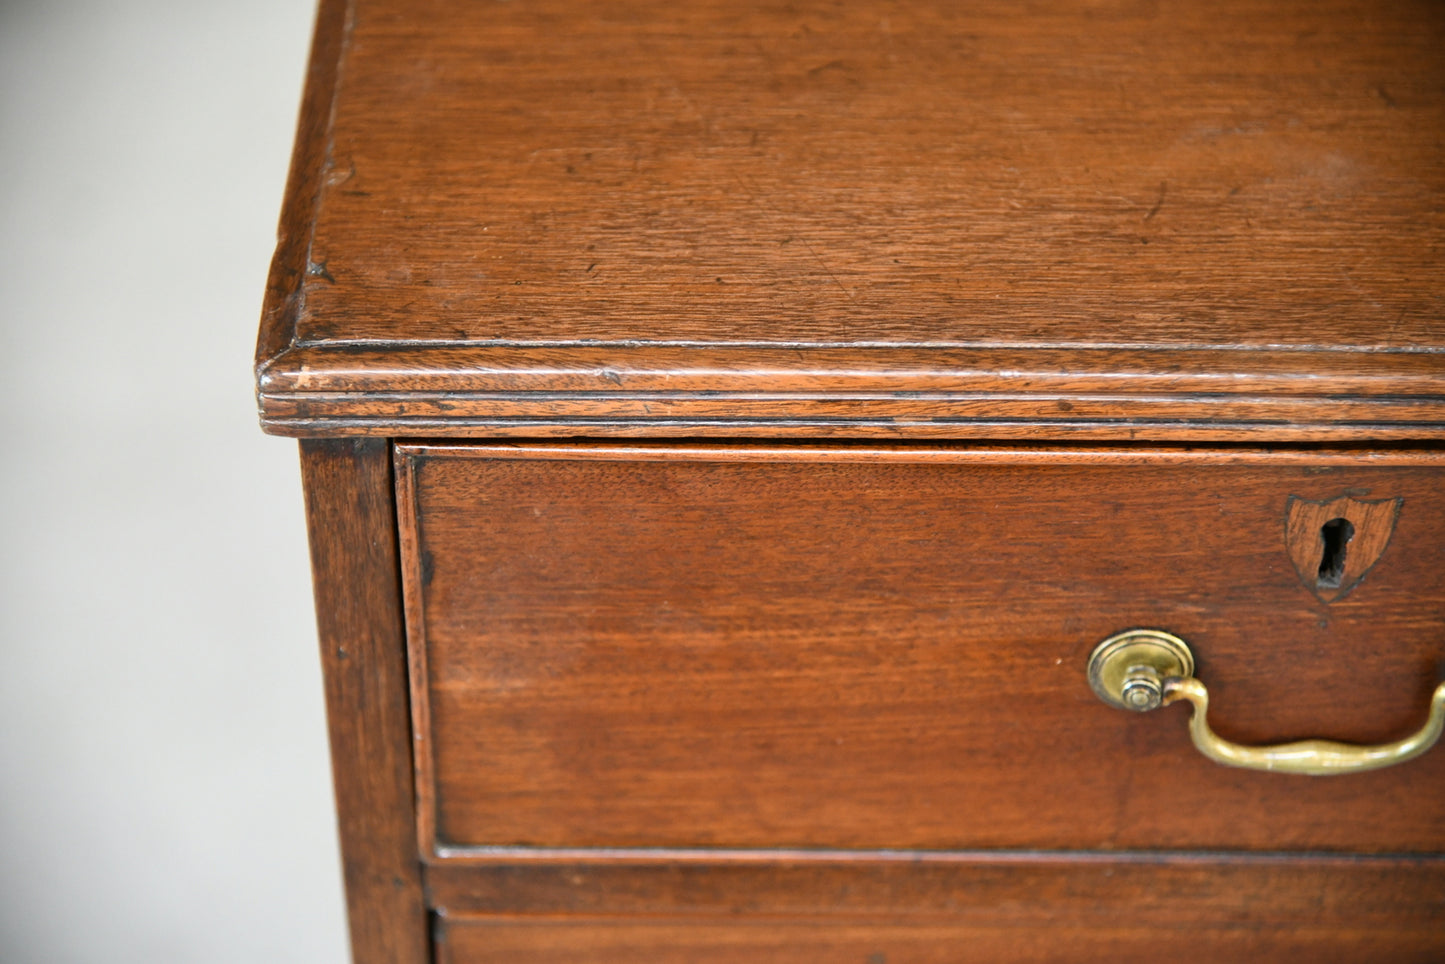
164,791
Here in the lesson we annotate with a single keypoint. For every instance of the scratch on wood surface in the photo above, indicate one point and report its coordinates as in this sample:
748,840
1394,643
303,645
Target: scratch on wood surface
757,200
1347,275
1394,327
1163,190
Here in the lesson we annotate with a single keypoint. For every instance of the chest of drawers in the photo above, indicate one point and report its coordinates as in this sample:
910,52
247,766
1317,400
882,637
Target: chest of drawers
742,445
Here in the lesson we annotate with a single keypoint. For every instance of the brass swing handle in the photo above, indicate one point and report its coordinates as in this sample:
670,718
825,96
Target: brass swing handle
1143,669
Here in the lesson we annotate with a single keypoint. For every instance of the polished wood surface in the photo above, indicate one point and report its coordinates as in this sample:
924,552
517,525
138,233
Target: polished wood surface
352,524
284,285
982,332
522,941
1111,218
1012,889
880,649
857,393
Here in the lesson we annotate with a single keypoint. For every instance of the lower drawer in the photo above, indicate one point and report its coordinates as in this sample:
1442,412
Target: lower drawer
483,941
864,649
950,906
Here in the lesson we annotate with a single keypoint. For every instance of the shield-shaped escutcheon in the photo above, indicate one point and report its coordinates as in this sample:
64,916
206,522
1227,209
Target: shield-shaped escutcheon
1334,543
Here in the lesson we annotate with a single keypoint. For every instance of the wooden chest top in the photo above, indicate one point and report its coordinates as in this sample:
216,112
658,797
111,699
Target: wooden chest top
1103,219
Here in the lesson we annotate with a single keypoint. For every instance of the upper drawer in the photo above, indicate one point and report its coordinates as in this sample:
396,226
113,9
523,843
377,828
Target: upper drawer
885,648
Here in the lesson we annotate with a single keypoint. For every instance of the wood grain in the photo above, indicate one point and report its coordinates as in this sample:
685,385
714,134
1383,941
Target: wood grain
1009,889
884,648
585,191
898,392
902,429
766,941
352,526
816,698
284,285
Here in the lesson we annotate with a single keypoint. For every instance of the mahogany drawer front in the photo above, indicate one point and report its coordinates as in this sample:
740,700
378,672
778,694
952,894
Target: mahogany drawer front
870,649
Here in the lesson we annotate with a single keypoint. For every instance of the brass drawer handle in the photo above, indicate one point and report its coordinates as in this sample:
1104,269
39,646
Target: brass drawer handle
1143,669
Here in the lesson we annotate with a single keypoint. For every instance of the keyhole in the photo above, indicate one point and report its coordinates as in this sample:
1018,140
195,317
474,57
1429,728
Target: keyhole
1336,535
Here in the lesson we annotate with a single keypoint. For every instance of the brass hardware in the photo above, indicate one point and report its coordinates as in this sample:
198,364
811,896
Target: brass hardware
1143,669
1128,670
